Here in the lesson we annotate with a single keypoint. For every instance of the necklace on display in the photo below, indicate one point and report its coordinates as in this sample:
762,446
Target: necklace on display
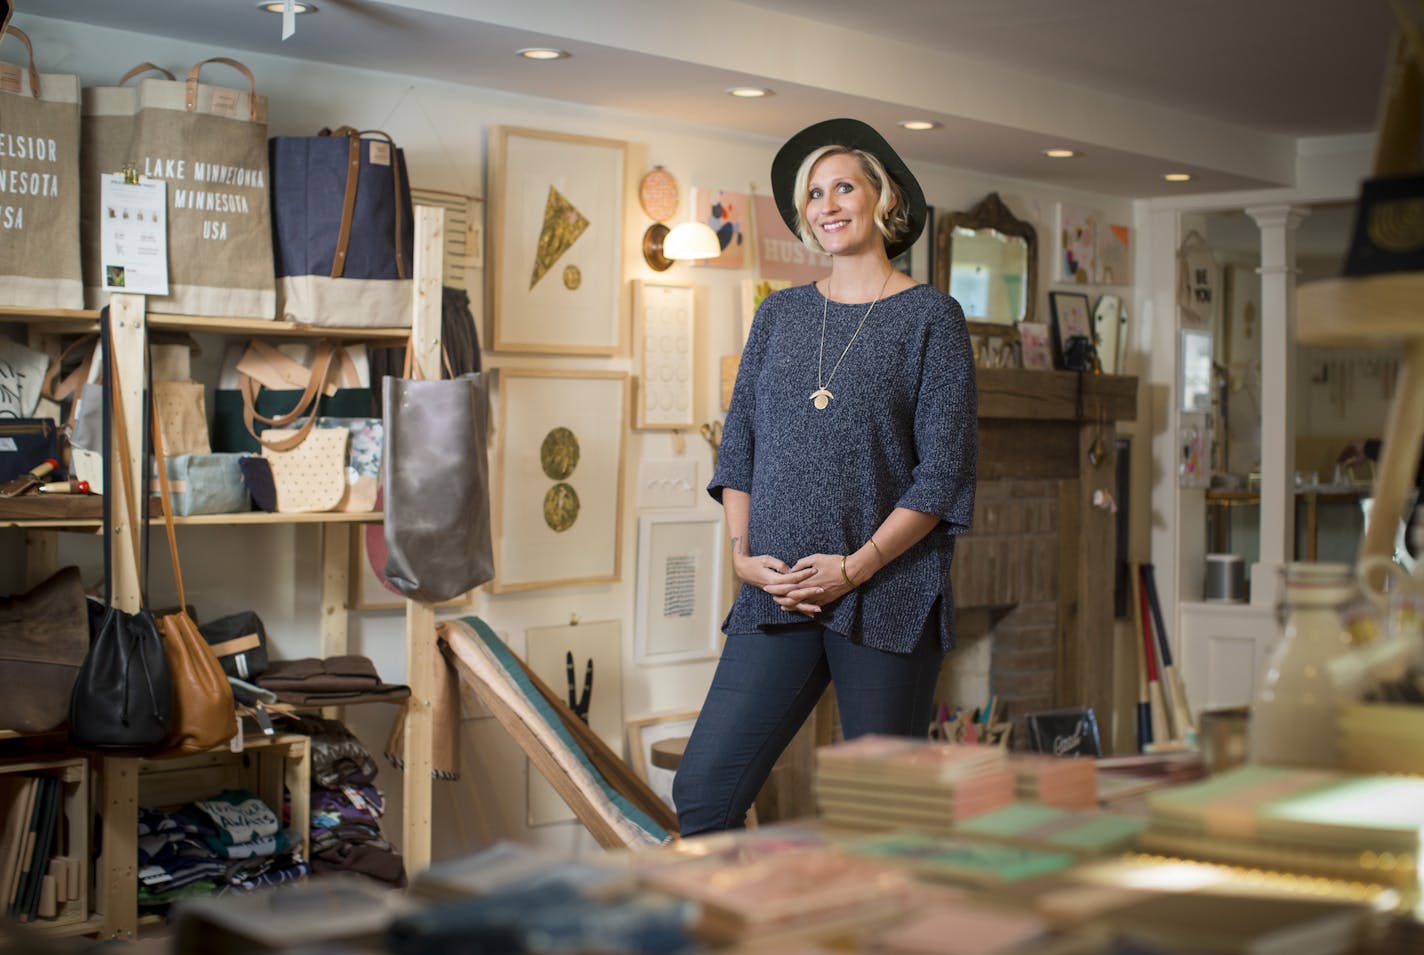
822,396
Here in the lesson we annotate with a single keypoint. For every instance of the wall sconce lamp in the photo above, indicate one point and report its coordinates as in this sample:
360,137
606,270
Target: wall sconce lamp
690,240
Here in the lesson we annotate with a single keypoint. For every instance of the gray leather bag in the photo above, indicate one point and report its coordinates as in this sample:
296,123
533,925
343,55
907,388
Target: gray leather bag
436,478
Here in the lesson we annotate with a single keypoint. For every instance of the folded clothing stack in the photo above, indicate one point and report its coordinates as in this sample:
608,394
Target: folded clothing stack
346,806
334,681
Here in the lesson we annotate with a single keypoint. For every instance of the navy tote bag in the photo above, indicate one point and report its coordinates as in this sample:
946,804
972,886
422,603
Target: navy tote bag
342,229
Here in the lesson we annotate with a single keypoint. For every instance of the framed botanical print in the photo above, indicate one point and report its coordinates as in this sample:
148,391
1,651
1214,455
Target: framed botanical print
555,234
679,587
665,341
559,478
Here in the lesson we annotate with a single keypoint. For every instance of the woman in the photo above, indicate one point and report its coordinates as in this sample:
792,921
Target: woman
845,470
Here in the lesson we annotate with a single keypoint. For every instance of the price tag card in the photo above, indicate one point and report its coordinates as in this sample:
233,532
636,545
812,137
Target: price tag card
133,232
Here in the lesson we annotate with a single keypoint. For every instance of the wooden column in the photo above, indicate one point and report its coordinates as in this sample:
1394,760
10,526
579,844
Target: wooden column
419,616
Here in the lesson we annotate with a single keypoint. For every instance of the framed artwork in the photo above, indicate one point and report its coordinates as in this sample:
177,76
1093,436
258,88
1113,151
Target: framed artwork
995,346
1077,244
643,733
754,292
679,588
780,252
1107,332
1196,359
555,233
1037,346
728,214
1066,732
1071,316
665,339
365,588
1115,255
584,662
559,478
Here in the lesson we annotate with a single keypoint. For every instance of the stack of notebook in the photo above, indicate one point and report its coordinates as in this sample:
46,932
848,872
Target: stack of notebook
1362,828
1083,833
794,893
883,782
1065,781
961,860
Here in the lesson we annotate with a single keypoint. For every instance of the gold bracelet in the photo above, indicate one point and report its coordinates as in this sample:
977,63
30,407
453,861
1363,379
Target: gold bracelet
878,552
848,581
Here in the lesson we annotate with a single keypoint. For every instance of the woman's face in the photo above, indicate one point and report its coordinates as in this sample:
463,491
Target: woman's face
840,206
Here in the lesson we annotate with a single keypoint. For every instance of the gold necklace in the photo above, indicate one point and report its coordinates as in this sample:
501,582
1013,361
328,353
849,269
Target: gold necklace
822,395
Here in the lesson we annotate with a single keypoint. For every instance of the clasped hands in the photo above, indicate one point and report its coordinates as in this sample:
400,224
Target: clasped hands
805,587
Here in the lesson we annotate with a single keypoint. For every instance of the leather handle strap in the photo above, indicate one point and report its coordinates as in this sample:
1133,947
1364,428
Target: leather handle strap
142,68
321,367
191,92
57,390
354,139
121,471
20,35
166,498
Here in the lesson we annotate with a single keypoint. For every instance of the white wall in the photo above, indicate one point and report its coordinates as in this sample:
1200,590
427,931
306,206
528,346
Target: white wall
443,130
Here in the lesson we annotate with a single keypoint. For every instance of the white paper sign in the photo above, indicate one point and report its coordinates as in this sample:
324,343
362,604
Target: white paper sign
134,235
22,373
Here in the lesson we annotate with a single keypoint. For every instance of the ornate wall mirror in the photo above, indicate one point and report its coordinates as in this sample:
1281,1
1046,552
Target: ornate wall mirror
988,260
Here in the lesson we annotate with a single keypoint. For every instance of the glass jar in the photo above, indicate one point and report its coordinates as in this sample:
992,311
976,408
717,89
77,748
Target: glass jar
1294,715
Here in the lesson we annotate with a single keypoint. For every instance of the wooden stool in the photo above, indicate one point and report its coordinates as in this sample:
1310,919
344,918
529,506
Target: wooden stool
667,754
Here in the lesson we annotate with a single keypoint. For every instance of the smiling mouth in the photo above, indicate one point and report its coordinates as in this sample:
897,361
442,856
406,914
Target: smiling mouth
835,226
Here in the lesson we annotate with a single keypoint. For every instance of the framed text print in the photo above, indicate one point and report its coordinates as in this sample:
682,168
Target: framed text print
559,478
664,337
679,587
556,230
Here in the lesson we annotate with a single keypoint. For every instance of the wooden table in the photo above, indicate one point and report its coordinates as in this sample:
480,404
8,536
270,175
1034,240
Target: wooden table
667,753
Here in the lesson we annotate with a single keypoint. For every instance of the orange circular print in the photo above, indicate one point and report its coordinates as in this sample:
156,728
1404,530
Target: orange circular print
658,194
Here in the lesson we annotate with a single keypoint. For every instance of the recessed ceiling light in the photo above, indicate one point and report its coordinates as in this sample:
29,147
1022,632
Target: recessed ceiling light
543,53
280,6
747,92
1178,177
919,125
1060,152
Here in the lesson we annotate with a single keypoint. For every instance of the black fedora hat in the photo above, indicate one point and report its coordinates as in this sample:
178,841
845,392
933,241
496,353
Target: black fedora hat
856,135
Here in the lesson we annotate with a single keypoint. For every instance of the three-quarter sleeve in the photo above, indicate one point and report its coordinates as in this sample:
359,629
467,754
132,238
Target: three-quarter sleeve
946,426
735,454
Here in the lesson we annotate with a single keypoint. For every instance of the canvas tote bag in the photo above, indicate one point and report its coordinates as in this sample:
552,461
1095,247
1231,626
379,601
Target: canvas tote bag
39,186
210,144
106,135
343,228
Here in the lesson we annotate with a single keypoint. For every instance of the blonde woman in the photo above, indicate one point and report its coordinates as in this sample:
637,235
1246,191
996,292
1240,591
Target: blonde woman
846,469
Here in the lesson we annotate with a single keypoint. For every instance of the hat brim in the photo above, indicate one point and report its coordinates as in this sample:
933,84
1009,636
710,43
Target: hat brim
856,135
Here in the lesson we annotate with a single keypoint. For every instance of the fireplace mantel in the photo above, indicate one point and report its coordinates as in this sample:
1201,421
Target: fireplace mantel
1040,433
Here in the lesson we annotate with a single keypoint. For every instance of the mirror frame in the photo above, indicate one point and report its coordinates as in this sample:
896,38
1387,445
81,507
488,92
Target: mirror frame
990,213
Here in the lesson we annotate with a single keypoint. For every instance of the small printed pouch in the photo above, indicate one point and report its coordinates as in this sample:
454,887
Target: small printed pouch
363,460
182,416
208,484
311,476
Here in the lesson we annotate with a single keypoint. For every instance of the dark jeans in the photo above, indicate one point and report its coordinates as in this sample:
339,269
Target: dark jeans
766,685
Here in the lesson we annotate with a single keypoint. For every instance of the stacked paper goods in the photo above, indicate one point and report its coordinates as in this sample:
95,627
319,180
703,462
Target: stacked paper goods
779,895
1067,782
1083,833
884,782
1364,828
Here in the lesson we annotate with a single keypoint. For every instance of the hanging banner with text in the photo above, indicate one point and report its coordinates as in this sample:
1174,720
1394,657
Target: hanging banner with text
781,254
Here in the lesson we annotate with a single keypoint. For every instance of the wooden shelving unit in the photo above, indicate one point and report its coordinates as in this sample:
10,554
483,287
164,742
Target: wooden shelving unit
120,780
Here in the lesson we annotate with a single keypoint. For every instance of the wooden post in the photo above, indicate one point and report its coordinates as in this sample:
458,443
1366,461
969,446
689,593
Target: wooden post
419,616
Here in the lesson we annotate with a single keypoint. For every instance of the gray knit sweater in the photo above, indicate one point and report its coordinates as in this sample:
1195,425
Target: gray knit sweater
901,431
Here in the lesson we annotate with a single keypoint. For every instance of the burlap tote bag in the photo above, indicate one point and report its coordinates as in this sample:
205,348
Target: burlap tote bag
210,144
106,133
39,208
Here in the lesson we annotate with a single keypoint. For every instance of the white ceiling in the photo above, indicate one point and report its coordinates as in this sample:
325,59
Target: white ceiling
1220,88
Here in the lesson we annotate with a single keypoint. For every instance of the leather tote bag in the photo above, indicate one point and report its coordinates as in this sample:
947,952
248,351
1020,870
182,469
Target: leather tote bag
204,714
210,144
39,257
123,694
44,635
106,131
343,229
436,486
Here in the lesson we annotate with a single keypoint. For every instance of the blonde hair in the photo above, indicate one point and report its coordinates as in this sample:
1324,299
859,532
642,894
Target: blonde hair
892,214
